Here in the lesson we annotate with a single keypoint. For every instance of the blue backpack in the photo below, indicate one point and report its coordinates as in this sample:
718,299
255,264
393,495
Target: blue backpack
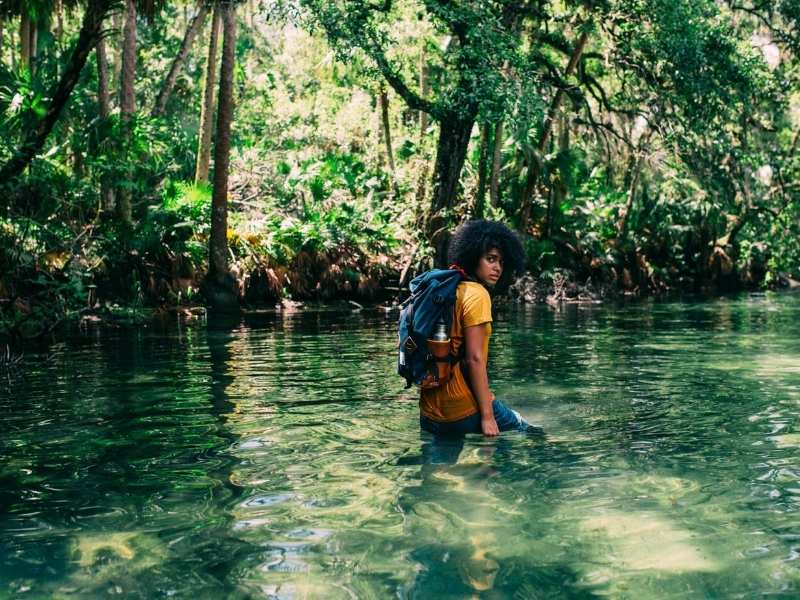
433,297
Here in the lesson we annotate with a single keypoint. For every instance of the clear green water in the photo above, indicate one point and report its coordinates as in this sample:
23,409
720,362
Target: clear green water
279,457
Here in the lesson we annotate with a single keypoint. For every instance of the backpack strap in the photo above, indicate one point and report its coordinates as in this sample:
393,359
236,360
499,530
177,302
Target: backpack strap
464,276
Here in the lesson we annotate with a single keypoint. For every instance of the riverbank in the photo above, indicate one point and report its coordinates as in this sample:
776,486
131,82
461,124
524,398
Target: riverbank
321,284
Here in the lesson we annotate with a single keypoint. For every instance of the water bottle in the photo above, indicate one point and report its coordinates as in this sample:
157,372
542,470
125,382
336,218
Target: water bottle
439,347
440,331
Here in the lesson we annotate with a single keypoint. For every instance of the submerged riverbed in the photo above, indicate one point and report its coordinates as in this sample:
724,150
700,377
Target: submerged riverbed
280,457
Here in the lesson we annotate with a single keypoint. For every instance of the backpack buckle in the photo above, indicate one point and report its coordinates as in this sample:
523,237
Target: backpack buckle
410,345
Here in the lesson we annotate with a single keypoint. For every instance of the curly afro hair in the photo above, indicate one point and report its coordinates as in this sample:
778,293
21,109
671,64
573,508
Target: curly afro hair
475,238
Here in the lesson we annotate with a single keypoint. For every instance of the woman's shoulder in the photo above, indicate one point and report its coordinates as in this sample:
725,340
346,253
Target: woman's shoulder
473,291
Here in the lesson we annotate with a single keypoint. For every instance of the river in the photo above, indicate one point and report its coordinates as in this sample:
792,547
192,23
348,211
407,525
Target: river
278,456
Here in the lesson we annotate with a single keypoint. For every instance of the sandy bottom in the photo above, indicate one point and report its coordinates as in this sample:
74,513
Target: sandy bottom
648,542
89,548
771,365
787,440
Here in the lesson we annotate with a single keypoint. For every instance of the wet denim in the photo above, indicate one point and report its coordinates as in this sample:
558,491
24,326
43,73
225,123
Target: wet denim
507,420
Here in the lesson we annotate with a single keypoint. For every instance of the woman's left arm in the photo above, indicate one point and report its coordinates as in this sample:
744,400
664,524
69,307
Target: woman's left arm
474,361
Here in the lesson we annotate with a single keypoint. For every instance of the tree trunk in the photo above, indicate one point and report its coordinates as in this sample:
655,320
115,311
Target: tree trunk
25,41
623,226
77,160
630,168
218,271
381,147
207,107
423,90
128,76
383,100
529,189
548,215
59,21
483,168
497,159
559,97
103,88
2,40
180,59
36,136
632,176
422,185
33,45
633,187
532,179
451,152
127,103
12,44
116,20
424,159
104,108
559,190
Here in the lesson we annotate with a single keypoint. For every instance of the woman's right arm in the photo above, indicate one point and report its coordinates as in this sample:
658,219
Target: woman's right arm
475,363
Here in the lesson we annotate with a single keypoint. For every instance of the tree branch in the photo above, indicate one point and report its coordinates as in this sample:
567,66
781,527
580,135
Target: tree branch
90,33
177,64
393,78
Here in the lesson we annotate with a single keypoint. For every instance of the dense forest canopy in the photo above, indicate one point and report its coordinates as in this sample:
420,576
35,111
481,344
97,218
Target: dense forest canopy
254,151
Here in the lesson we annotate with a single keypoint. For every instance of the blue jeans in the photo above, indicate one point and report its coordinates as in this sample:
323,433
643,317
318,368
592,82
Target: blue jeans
507,420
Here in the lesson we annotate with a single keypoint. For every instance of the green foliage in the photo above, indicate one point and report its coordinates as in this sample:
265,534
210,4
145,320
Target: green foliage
540,255
674,95
594,211
22,100
321,176
180,222
468,69
341,226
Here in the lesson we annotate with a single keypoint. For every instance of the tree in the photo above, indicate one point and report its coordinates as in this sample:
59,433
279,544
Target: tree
482,39
90,34
483,169
192,30
386,129
705,109
497,158
104,109
127,104
26,34
219,280
534,170
207,102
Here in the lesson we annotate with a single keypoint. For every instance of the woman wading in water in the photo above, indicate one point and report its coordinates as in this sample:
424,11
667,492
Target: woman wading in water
490,255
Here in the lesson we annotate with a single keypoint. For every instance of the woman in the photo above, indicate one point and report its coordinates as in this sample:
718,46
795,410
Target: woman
490,255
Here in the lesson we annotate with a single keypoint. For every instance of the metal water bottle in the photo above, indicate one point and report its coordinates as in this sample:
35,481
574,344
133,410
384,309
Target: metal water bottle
439,347
440,331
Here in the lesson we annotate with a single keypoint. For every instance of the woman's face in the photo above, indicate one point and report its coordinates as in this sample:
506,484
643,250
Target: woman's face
490,267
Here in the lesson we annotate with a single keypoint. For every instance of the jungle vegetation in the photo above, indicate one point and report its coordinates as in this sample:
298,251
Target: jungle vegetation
237,153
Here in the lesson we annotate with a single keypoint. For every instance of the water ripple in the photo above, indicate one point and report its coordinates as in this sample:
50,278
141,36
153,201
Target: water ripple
280,457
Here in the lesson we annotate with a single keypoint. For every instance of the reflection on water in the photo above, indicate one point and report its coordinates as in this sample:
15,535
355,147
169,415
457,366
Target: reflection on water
279,457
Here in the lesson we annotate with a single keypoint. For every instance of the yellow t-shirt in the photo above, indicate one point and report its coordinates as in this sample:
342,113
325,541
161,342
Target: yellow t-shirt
454,400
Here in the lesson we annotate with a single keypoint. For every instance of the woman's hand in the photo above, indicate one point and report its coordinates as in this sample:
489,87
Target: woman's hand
489,426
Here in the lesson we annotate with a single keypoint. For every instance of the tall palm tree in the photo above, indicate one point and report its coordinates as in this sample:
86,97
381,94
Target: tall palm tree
127,103
207,106
219,284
